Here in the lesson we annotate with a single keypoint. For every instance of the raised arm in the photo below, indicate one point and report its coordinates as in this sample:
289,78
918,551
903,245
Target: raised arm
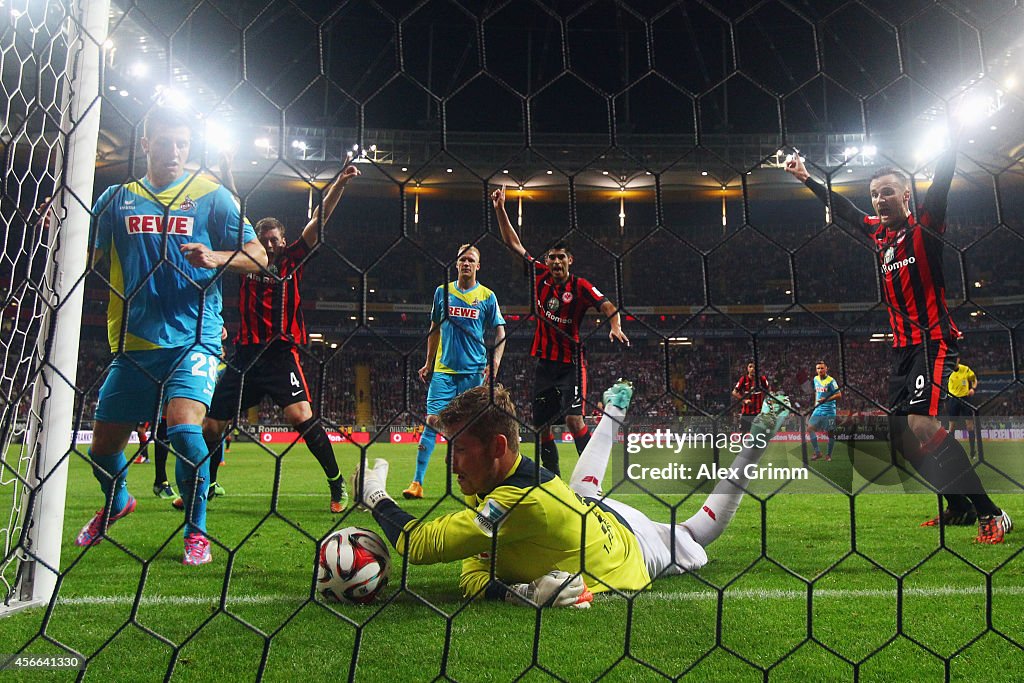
842,208
508,233
311,233
938,194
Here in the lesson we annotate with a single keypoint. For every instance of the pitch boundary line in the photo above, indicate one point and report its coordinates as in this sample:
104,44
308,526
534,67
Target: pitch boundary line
675,596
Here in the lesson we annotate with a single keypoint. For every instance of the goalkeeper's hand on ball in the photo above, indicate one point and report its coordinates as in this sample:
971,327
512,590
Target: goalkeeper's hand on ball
370,485
554,589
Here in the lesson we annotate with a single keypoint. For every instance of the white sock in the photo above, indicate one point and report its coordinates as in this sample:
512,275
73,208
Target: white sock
723,502
590,468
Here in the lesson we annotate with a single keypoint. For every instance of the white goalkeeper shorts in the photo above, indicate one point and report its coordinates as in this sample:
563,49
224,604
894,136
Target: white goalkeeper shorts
658,541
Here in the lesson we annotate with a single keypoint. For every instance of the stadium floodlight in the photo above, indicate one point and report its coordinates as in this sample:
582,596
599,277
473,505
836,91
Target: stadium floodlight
173,98
139,70
974,108
850,152
405,168
931,143
1010,82
108,44
123,93
299,145
869,151
16,13
218,136
262,143
448,170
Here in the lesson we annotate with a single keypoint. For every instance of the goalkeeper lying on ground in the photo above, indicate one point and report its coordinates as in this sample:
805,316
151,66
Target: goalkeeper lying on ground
550,544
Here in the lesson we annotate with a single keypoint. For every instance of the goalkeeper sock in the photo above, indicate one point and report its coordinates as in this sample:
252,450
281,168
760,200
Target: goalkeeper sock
723,502
319,444
111,471
593,463
428,440
192,473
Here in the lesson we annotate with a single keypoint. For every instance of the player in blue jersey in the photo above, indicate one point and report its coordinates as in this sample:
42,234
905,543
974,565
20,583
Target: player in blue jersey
168,236
823,417
457,350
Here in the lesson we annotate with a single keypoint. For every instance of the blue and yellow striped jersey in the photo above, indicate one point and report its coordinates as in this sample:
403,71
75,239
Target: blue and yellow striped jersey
823,388
161,299
464,320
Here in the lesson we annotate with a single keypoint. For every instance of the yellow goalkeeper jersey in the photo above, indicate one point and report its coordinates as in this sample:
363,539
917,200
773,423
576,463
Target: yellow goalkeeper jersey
538,528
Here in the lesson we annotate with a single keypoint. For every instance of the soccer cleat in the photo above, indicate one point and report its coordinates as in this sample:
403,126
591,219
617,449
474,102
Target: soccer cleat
339,495
620,394
993,528
164,490
415,490
950,517
140,459
92,533
773,414
197,550
816,456
215,490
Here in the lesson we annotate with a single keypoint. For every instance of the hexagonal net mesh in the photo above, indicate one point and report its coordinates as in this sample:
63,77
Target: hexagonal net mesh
649,143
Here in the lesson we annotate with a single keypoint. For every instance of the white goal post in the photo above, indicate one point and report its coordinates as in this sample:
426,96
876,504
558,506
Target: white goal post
56,48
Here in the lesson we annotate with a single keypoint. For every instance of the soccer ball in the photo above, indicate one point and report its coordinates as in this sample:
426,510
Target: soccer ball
353,565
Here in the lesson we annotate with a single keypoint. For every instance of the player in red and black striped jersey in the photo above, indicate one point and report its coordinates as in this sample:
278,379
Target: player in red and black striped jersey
266,360
560,303
750,391
909,246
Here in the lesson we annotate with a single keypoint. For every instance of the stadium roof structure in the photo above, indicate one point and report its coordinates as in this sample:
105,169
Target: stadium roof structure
531,92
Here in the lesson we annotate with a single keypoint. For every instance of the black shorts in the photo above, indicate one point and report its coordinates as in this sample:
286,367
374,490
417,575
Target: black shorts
958,408
558,390
919,377
251,375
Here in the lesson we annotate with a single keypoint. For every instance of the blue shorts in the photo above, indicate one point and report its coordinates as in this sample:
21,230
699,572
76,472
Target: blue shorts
132,389
825,422
444,387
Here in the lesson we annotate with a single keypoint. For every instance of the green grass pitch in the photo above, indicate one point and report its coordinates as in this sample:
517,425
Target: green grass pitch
783,591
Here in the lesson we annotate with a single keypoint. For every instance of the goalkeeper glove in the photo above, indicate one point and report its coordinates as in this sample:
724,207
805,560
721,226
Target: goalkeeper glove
554,589
370,485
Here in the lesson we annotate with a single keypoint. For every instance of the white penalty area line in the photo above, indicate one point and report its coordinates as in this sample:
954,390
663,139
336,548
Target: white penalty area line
759,594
